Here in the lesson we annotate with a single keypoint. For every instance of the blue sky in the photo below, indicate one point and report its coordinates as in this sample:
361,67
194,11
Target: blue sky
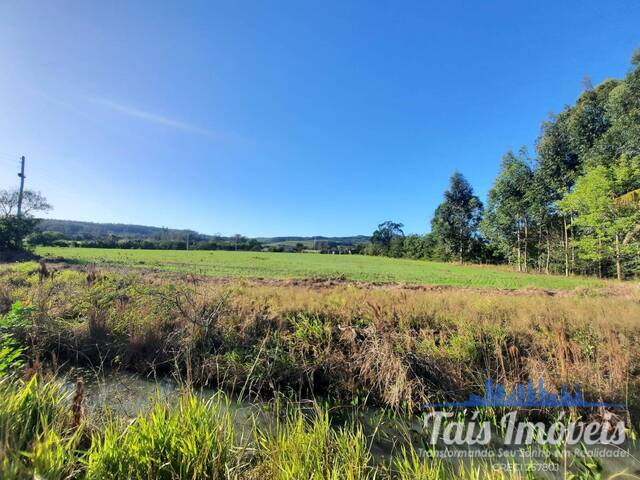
283,118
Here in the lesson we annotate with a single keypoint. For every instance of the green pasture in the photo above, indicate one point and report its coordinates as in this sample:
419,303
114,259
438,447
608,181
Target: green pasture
310,265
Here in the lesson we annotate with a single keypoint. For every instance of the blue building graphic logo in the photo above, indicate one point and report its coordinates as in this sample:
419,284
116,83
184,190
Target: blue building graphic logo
526,396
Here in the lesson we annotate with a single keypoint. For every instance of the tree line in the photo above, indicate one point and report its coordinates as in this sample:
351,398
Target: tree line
573,207
59,239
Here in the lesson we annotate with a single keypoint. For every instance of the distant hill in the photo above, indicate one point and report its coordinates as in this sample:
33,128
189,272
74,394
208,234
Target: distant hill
89,230
76,230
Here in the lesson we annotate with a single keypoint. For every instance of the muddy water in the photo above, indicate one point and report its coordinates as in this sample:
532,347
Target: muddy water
127,395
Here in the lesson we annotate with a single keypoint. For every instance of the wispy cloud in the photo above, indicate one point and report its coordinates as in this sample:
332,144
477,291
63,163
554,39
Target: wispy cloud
156,118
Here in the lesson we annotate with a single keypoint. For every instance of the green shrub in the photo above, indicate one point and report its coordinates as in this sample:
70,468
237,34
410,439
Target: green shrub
18,317
310,329
10,356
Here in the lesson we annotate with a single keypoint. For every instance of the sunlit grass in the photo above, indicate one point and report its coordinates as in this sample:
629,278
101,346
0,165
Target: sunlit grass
382,344
188,437
36,439
192,439
309,447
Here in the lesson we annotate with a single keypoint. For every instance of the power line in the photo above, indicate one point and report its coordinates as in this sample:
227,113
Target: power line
7,162
4,158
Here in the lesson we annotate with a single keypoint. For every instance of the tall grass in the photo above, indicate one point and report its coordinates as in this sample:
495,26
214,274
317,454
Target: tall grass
308,447
410,466
396,347
190,440
36,440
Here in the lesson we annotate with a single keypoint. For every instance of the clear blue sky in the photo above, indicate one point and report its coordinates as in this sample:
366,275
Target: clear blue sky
283,118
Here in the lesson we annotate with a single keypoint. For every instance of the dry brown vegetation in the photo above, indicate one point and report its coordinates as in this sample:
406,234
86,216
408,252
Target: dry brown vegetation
394,346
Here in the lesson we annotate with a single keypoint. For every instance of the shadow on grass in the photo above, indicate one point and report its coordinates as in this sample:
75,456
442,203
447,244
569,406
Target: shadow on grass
13,256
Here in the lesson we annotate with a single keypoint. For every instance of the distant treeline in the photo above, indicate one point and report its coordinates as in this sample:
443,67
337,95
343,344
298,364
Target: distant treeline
573,207
389,240
58,239
68,233
317,240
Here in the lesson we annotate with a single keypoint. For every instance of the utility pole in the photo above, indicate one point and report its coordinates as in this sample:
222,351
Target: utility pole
22,177
187,241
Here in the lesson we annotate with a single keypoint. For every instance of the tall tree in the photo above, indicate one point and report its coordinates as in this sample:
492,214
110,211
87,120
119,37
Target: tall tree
558,211
455,221
509,209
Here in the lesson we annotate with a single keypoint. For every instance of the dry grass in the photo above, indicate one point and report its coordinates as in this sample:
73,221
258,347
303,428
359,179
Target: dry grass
397,347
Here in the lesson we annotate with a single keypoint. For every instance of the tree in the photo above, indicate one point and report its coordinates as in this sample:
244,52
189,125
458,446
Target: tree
382,237
559,210
46,239
237,238
396,246
31,202
14,228
509,210
455,221
603,222
413,246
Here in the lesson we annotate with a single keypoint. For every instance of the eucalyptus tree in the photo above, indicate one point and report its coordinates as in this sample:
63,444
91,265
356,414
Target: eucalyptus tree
455,221
509,208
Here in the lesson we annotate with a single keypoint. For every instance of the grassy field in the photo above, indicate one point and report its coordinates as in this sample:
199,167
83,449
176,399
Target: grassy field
286,265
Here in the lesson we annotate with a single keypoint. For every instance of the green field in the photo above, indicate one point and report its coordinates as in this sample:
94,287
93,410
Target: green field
309,265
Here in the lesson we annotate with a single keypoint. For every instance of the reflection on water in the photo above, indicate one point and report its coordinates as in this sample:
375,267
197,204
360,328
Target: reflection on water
122,393
127,394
